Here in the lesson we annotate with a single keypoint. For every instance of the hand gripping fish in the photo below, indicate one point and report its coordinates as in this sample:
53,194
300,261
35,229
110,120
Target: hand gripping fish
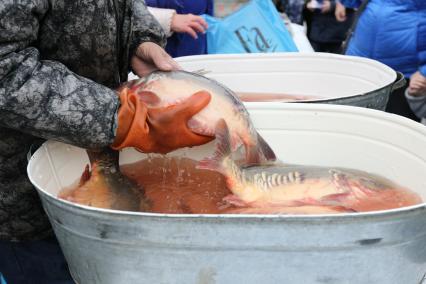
161,89
278,188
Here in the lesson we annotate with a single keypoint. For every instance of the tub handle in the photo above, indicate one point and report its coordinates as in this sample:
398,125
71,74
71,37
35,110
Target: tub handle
399,82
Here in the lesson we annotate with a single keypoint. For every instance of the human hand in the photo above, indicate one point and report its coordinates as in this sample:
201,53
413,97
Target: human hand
158,130
189,24
340,12
149,57
417,85
312,5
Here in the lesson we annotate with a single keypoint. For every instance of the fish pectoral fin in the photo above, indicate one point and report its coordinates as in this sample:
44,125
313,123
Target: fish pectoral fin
235,200
223,149
253,156
335,198
235,141
267,151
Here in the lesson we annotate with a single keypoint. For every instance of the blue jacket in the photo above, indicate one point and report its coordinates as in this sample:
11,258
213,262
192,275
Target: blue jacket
351,3
182,44
392,32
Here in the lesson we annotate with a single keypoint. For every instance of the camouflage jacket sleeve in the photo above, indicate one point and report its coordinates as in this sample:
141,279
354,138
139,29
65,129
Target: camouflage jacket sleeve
44,98
145,27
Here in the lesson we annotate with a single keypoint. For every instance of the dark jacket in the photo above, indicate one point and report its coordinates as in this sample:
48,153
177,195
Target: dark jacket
59,60
324,28
182,44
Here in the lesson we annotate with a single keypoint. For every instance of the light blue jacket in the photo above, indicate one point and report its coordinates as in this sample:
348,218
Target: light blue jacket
392,32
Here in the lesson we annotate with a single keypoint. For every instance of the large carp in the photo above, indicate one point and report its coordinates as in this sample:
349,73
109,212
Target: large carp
105,186
162,89
281,188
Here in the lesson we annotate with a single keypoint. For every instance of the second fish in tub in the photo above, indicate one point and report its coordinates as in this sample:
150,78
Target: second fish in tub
279,188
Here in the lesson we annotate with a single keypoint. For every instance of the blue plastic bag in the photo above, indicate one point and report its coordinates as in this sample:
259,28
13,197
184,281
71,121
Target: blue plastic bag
256,27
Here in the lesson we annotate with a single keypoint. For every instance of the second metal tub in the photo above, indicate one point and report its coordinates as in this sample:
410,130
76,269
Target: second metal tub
336,79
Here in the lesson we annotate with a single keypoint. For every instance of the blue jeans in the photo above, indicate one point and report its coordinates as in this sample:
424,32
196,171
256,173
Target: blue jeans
33,262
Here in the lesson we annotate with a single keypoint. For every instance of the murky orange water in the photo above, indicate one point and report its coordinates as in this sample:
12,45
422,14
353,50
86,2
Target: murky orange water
174,185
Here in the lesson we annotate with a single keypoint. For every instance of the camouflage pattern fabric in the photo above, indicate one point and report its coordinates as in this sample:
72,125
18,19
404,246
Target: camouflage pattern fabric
59,63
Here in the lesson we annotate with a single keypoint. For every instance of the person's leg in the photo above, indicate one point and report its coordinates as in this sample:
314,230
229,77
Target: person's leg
398,104
34,262
9,265
326,47
307,16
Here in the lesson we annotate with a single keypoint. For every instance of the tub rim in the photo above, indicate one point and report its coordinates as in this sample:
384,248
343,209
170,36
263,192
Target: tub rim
396,83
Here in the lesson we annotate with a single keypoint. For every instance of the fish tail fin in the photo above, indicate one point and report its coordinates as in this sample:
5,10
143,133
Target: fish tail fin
267,151
223,149
253,156
259,153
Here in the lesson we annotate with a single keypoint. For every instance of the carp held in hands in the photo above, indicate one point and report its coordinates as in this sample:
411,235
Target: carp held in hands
162,89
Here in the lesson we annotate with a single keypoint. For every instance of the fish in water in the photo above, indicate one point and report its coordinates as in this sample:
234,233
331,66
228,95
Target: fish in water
104,186
162,89
276,187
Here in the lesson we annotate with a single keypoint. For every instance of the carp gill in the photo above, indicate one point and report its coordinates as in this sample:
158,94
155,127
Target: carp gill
162,89
275,188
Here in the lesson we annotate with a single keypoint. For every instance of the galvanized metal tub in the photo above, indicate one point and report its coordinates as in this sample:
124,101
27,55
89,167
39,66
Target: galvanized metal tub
337,79
104,246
